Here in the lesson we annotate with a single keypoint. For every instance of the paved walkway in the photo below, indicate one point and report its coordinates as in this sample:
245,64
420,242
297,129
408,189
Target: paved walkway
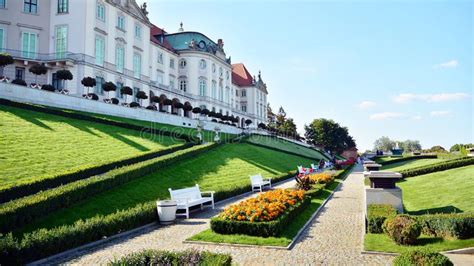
333,238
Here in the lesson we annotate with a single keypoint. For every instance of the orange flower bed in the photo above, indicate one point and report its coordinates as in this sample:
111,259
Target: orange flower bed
322,178
265,207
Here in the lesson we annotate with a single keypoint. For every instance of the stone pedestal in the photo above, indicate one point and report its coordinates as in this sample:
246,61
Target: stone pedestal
391,196
372,167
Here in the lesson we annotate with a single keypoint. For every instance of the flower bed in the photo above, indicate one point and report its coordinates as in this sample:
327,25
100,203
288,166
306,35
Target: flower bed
265,215
322,178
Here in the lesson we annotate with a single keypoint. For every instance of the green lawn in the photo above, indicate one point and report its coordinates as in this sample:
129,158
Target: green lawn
389,158
286,236
445,191
381,242
410,164
221,169
36,145
286,146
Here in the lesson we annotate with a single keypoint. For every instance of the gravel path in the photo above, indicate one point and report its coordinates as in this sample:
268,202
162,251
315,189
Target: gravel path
334,237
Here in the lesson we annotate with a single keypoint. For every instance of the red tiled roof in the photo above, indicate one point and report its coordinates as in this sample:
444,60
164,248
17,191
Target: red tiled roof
154,31
241,76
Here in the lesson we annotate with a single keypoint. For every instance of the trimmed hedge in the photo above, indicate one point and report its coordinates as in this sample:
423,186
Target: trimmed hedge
279,150
403,159
263,229
438,167
421,257
188,257
17,213
403,229
65,177
376,216
450,226
46,242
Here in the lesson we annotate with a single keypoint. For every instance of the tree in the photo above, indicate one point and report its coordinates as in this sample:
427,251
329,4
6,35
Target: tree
458,147
141,95
280,117
271,117
248,122
329,135
288,128
5,59
88,82
410,145
108,87
384,144
126,90
64,75
435,149
38,69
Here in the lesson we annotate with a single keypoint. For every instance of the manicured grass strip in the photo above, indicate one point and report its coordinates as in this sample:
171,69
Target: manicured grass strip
445,191
286,235
382,243
274,142
404,165
25,210
385,160
450,164
37,146
225,169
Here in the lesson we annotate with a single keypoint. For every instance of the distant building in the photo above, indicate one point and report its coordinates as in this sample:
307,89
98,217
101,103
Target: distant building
113,40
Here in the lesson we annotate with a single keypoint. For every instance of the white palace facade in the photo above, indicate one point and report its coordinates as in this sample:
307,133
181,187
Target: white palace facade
113,40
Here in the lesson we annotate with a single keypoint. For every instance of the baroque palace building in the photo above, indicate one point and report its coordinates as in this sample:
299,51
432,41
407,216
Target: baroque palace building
113,40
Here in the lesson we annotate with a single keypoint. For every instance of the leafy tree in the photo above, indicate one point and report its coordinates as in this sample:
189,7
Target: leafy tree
5,59
410,145
126,90
436,149
108,87
329,135
63,75
38,69
288,128
384,144
88,82
457,147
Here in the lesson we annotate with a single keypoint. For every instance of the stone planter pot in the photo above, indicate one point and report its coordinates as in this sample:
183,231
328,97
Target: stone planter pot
166,211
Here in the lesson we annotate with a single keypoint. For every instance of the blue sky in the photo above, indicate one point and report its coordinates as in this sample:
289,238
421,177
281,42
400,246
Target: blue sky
399,69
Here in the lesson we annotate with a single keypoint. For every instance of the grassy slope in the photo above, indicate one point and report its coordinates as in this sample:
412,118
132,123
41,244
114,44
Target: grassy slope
286,236
285,145
208,136
221,169
36,144
410,164
443,191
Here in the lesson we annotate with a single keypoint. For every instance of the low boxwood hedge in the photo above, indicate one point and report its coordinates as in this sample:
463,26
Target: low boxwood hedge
263,229
455,163
22,211
189,257
46,242
419,257
403,159
450,226
376,216
68,176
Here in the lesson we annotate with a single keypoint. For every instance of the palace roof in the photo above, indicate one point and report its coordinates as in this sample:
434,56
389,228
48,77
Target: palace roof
241,76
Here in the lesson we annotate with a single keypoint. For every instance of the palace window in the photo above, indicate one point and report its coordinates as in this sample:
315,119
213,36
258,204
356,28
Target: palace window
61,41
172,63
119,58
244,108
99,50
2,40
202,64
227,75
138,31
137,65
171,83
244,93
220,71
182,63
30,6
202,87
236,92
159,78
28,44
63,6
100,12
221,94
227,94
182,84
57,84
213,68
98,85
121,22
118,93
20,73
160,58
214,89
3,3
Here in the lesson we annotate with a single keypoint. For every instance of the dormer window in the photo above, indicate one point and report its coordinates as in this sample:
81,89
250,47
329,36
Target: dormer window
182,63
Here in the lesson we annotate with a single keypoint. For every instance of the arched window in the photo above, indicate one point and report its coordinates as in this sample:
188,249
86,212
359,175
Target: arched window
182,84
202,87
214,89
182,63
202,64
213,68
221,94
227,94
220,71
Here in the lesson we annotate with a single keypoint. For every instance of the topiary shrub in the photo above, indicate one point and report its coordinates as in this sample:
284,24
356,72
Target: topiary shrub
403,229
134,104
115,101
93,96
421,257
19,82
376,216
47,87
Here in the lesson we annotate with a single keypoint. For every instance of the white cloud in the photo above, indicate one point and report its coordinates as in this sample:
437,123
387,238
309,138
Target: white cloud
439,97
366,105
448,64
386,115
416,117
440,113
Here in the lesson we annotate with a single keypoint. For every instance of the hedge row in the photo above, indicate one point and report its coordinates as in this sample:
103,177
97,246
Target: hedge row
17,213
263,229
189,257
451,226
280,150
409,158
376,216
421,257
94,119
64,177
46,242
438,167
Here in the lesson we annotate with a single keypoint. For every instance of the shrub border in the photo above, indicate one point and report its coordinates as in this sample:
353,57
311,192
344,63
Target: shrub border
409,158
446,165
281,150
53,181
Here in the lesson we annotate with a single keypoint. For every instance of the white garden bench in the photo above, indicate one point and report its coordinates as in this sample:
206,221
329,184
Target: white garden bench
258,182
190,197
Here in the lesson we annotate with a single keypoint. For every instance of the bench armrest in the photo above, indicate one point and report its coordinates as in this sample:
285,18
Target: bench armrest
208,192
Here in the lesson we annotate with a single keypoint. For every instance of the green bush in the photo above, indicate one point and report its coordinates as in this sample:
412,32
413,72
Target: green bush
264,229
403,159
22,211
64,177
189,257
451,226
438,167
376,216
403,229
421,257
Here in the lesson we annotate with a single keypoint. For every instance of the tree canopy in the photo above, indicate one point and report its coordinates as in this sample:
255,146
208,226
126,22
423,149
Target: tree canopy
386,144
329,135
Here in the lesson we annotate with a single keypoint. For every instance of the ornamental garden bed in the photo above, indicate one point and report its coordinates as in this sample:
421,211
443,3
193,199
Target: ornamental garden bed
317,196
